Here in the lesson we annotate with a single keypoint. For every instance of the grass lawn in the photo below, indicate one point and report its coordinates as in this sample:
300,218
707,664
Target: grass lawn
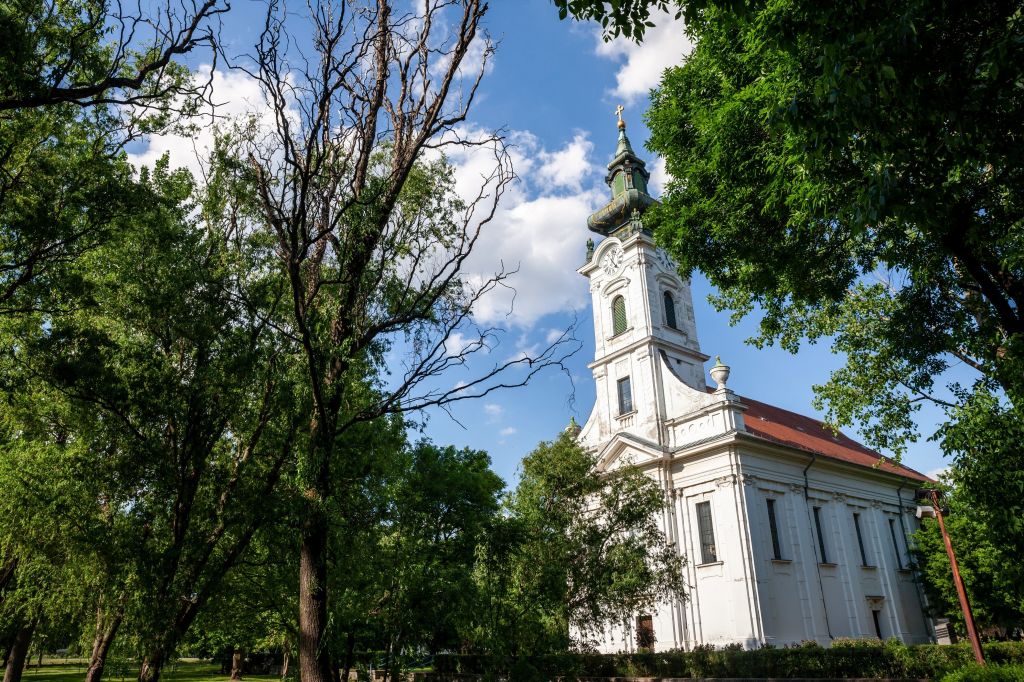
182,671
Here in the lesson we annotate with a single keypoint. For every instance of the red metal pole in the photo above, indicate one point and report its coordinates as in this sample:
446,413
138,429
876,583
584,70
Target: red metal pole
958,581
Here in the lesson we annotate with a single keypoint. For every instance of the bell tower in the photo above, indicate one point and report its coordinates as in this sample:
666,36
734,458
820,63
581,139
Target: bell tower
643,311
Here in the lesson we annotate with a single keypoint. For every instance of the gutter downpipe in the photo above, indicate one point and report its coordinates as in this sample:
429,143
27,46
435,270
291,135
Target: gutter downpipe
921,598
814,544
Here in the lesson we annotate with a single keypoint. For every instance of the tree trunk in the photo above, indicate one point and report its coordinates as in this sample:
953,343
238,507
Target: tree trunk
350,649
389,670
19,653
101,644
237,660
284,660
152,666
7,569
8,644
314,654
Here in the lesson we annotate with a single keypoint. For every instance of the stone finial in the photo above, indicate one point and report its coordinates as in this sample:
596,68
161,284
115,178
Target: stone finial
573,428
720,373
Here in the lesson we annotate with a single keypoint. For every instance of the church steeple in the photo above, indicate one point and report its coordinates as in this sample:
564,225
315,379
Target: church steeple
647,362
627,177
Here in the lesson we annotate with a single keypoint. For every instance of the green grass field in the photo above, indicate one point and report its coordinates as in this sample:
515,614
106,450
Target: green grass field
73,670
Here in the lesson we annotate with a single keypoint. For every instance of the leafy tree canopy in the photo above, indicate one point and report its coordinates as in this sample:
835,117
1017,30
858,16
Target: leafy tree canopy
855,174
578,549
994,579
629,18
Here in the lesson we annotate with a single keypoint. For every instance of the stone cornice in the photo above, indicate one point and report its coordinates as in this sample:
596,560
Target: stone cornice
652,341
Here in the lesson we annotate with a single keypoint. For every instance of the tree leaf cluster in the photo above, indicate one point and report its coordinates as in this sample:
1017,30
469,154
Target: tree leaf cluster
577,550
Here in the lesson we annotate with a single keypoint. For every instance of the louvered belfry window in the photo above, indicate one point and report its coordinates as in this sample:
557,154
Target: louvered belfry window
618,315
670,310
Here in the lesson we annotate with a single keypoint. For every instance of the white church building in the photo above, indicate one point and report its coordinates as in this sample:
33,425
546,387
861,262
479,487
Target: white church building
791,532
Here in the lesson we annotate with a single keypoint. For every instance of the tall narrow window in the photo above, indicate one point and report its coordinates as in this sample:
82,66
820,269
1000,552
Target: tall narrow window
645,638
896,544
860,541
618,315
773,526
821,536
670,310
708,551
625,396
878,624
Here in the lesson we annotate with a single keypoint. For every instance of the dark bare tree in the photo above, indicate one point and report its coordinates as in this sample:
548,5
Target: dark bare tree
356,193
93,52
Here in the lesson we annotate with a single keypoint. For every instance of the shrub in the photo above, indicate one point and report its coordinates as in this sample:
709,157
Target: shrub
856,643
987,673
846,658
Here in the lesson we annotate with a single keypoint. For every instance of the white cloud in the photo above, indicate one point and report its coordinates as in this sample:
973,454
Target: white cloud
480,55
939,472
539,229
659,176
457,342
235,95
554,335
664,45
493,410
569,166
508,431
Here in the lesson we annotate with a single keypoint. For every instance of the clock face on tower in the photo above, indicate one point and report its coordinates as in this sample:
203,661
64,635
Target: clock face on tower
611,261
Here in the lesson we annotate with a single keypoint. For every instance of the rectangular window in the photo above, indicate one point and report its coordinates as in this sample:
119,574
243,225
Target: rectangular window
896,544
645,638
625,396
860,541
878,624
708,551
773,526
821,536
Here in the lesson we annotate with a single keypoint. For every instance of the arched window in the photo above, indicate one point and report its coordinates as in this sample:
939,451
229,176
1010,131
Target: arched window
670,310
618,315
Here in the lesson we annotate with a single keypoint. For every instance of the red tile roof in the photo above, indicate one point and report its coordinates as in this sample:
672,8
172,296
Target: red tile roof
789,428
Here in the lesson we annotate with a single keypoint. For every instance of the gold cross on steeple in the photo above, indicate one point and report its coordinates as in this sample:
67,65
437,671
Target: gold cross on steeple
618,112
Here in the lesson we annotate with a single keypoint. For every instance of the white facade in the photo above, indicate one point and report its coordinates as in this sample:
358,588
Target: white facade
726,465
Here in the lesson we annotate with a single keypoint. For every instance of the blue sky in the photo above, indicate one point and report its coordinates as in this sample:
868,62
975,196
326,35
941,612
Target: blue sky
553,87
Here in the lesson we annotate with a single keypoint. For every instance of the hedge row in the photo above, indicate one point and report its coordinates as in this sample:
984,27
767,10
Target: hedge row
845,659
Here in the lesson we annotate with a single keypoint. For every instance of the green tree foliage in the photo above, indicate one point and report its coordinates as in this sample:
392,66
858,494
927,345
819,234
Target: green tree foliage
61,188
812,159
629,18
855,173
164,383
78,80
439,510
577,549
992,575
